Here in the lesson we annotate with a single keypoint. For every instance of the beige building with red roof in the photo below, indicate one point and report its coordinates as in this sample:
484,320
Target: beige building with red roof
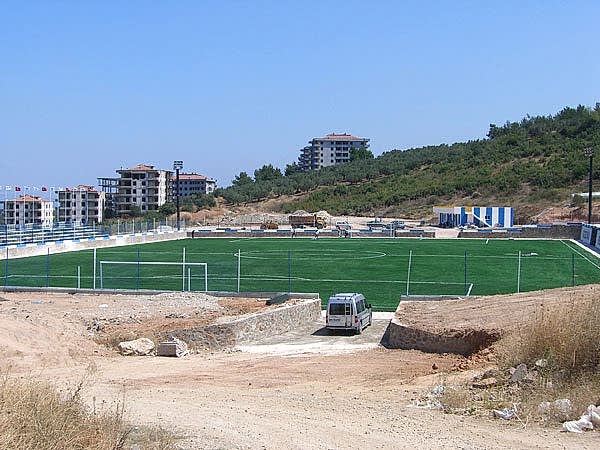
329,150
29,209
192,183
83,205
142,186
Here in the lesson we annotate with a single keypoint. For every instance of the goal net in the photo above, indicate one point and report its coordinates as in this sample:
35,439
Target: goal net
159,275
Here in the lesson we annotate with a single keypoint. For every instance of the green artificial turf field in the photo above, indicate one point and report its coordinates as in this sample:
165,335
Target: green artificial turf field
379,268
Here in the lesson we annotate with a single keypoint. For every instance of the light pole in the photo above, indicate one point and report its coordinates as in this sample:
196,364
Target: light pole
177,166
589,151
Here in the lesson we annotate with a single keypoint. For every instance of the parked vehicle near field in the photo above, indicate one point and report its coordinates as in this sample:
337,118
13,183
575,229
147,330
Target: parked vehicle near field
309,220
348,311
343,225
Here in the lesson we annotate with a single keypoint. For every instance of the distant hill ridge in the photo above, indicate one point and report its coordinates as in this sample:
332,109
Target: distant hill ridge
538,159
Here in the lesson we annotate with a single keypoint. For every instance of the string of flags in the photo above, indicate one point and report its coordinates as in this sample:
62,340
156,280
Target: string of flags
27,188
54,189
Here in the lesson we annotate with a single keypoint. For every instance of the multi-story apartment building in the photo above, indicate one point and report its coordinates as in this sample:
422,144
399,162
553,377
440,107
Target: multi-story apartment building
110,187
192,183
82,205
142,186
329,150
29,209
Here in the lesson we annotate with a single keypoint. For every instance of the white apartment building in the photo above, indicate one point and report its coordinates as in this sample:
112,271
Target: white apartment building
329,150
192,183
82,205
29,209
142,186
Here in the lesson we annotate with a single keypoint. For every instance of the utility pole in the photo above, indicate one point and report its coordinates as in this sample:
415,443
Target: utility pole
177,166
589,151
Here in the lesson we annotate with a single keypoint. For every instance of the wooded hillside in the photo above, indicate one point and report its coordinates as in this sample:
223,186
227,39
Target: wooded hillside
538,158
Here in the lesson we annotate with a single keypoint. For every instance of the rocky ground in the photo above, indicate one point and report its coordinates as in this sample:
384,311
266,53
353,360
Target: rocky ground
305,389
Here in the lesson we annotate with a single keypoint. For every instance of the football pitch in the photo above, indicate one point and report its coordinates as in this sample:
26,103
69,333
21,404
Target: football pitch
383,269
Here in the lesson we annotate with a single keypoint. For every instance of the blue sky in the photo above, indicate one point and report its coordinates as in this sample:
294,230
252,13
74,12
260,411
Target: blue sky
227,86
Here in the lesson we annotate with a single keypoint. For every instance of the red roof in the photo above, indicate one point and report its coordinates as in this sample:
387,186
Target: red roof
31,198
191,176
340,137
142,167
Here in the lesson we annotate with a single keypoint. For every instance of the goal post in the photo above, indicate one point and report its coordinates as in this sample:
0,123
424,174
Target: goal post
169,270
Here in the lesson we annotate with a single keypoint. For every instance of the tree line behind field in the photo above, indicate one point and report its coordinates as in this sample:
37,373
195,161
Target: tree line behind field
538,156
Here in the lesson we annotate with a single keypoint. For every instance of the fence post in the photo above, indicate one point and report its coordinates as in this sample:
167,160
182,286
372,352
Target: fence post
183,271
78,277
408,274
519,274
573,269
137,278
466,287
48,268
239,269
289,271
94,271
6,267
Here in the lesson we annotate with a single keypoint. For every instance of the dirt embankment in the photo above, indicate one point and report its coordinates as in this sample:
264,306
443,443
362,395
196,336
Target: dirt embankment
54,329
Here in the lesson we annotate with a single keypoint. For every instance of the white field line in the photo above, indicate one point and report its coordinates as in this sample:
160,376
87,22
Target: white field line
471,256
469,291
248,278
153,263
581,254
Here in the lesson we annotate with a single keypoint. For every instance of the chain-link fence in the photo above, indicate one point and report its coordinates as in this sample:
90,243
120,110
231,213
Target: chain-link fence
383,271
63,231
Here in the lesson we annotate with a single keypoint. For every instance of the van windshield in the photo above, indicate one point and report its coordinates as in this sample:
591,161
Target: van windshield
337,309
360,306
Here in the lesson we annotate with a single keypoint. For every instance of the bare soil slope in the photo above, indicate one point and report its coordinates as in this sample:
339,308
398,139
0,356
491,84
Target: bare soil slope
495,313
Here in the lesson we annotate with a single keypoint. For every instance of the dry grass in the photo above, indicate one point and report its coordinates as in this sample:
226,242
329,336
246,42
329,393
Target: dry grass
34,415
567,339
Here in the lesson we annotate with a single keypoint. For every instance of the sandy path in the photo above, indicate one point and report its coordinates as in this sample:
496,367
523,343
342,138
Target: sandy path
240,400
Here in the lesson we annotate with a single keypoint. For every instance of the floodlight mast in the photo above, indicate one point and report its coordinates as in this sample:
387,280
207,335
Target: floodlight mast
177,166
589,152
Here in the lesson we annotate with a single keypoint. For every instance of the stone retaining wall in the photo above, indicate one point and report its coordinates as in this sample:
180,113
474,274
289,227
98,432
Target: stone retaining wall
461,342
569,231
249,328
300,233
70,246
